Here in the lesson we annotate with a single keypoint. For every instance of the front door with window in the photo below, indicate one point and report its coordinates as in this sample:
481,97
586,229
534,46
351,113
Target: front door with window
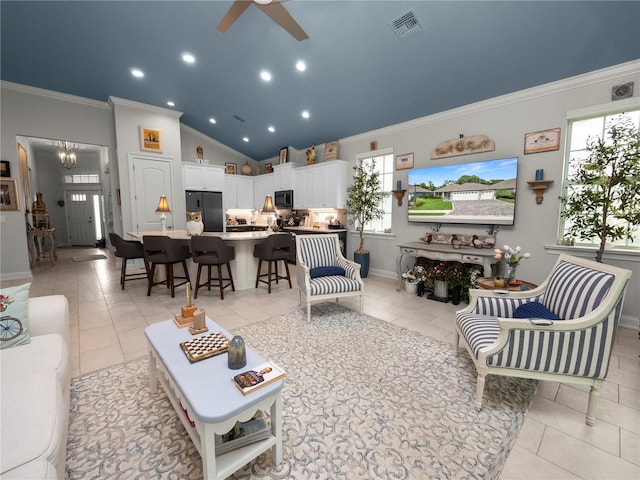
80,218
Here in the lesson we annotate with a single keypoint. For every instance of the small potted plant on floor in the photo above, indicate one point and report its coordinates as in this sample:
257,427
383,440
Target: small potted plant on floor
364,204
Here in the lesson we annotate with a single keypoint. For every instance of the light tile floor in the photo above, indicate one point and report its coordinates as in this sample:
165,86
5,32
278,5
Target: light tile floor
107,326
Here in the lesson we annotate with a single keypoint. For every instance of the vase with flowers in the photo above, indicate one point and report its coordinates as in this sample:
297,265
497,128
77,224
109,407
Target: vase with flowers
440,274
413,277
512,257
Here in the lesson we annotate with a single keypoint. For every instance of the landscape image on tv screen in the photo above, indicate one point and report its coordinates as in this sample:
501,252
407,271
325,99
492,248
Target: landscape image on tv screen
476,193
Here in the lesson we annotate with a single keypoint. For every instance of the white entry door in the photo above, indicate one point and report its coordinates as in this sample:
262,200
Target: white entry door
80,218
151,179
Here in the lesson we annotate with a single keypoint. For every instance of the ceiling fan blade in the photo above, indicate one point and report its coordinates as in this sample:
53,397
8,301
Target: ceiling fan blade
237,9
283,18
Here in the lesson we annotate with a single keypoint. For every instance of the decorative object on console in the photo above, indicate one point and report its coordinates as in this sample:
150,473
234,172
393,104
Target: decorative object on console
195,226
163,209
512,258
150,139
246,169
542,141
602,180
284,155
39,213
331,151
199,154
404,161
237,356
268,168
463,146
364,197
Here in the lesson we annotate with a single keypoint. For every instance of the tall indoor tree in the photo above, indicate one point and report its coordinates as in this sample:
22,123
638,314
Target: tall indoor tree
602,199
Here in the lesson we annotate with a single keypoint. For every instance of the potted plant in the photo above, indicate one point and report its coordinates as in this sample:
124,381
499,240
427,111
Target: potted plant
364,204
413,277
603,197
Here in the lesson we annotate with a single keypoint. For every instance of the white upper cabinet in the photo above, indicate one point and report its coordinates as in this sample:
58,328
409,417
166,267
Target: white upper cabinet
323,185
238,191
283,176
263,185
203,177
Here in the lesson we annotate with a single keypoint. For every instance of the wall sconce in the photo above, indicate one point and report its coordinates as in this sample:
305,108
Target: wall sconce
163,209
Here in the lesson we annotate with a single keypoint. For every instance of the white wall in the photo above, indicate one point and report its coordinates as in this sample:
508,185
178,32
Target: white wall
505,120
39,113
215,152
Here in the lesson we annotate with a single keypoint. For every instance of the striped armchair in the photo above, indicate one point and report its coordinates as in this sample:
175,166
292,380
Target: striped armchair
322,271
586,296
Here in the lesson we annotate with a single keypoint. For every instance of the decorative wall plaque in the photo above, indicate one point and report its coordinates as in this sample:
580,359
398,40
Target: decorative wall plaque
463,146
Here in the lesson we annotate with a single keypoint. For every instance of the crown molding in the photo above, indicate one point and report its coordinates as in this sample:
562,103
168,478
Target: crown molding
597,76
18,87
143,106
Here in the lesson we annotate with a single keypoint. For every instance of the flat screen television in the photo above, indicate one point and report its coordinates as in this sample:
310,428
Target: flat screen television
481,193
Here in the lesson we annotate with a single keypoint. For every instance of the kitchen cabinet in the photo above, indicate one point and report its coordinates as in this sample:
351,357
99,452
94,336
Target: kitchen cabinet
283,176
238,192
323,185
263,185
203,177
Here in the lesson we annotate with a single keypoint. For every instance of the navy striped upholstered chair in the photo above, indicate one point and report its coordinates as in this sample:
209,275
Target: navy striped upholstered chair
561,331
323,272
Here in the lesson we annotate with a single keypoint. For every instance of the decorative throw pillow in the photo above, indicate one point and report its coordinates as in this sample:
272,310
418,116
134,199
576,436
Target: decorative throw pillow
326,271
534,310
13,316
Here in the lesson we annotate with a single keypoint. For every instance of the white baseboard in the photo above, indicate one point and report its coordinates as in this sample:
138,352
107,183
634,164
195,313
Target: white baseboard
628,321
17,276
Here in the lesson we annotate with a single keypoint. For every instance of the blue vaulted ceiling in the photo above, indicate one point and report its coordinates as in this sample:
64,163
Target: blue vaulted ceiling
360,76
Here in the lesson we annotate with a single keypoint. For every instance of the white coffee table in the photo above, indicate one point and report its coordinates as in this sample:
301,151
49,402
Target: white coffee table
213,403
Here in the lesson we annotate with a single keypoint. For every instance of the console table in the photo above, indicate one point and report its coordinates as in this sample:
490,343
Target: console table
35,238
447,253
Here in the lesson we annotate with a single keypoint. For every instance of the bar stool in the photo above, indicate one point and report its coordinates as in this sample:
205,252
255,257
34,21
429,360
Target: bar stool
212,251
274,248
129,250
162,250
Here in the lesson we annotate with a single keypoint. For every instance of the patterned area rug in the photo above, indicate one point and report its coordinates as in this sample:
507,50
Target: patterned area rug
363,399
88,258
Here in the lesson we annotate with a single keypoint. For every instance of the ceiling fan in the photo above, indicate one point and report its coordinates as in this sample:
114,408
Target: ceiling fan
273,8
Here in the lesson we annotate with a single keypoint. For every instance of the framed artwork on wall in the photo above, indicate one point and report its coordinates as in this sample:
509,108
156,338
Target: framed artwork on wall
5,168
230,168
331,151
9,195
150,139
542,141
284,155
404,161
268,168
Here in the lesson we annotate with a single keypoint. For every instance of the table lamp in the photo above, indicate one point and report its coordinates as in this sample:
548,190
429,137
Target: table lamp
268,209
163,209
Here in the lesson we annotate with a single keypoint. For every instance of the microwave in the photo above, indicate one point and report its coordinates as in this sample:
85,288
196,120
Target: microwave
284,199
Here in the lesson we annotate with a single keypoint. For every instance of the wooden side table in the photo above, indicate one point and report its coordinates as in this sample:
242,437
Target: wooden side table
486,283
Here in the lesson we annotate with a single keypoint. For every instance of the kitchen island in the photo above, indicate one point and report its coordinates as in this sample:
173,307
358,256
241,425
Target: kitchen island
244,267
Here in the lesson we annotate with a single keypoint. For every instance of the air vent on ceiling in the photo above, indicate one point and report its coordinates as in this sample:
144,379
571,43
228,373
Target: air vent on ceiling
240,119
406,25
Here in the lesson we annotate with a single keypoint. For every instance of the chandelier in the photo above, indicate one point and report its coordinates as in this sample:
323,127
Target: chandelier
67,155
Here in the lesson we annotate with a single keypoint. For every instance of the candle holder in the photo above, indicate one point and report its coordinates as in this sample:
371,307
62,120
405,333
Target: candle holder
539,186
399,194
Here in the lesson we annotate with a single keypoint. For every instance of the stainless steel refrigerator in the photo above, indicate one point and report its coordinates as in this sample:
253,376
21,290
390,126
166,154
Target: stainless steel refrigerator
210,204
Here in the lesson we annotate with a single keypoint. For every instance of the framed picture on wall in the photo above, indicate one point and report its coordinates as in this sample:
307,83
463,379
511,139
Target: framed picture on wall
331,151
284,155
150,139
5,168
404,161
268,168
9,195
230,168
542,141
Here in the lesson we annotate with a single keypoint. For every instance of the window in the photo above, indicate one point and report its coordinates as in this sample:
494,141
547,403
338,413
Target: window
384,166
579,130
82,178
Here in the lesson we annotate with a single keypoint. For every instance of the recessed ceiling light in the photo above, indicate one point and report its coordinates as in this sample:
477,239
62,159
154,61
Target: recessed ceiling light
188,58
245,139
212,120
305,114
271,128
301,66
136,72
171,103
266,76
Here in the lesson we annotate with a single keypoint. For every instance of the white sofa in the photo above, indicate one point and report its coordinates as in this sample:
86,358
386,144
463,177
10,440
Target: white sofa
34,396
